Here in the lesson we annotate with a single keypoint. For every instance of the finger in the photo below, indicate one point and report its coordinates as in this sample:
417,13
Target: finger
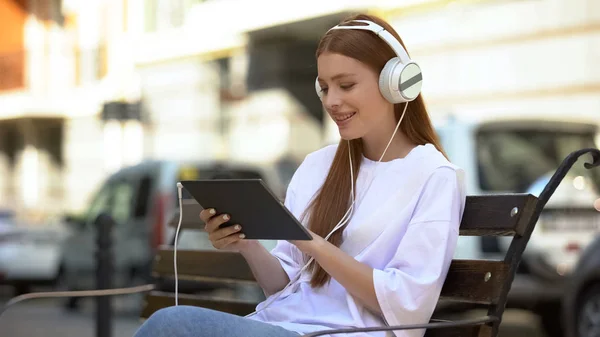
221,233
216,221
207,213
228,240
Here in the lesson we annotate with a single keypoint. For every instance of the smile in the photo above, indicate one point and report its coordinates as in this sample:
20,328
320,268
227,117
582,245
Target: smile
343,118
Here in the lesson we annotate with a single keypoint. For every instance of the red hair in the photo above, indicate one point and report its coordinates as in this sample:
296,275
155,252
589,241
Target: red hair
333,199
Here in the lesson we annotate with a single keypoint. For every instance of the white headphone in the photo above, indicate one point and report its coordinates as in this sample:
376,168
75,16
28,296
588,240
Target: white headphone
401,79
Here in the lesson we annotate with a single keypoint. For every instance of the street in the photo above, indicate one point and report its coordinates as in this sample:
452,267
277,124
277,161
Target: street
45,318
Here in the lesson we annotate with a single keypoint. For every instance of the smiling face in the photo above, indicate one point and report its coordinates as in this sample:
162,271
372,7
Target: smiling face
351,96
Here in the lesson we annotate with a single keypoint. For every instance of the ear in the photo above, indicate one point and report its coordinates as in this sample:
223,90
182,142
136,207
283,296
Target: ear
318,89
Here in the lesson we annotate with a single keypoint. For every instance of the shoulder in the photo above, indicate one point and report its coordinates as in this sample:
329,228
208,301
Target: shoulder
443,193
432,163
308,178
448,177
315,165
318,160
322,155
443,175
437,174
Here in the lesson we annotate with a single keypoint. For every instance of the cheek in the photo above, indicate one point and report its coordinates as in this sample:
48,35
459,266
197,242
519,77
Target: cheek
371,105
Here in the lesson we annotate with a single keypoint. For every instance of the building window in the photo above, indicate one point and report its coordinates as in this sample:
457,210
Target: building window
90,64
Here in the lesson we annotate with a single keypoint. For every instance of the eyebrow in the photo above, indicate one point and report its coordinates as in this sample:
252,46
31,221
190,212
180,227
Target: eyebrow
338,76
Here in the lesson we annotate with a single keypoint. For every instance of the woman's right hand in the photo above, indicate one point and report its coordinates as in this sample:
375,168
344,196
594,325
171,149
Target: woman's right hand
265,267
228,238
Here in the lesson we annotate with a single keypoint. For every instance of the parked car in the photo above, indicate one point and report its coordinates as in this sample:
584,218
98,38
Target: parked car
141,199
30,256
518,154
581,303
7,218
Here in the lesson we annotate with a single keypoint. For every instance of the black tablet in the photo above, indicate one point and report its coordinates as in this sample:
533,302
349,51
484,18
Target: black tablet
251,204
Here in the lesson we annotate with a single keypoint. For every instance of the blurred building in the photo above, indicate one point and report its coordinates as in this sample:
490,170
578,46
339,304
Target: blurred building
57,60
32,120
87,87
496,57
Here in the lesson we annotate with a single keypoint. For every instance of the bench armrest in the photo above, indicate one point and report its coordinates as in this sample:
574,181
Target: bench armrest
562,171
436,325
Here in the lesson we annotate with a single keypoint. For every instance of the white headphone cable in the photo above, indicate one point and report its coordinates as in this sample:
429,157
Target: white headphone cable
346,216
180,196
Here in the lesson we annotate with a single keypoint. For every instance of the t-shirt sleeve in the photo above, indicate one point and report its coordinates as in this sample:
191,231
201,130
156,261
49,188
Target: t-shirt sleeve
408,287
289,256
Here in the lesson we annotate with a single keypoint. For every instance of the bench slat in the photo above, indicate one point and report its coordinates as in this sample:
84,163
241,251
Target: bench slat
200,264
467,331
156,300
466,280
488,215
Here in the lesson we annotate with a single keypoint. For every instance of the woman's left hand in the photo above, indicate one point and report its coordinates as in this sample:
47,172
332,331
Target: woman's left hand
309,247
597,204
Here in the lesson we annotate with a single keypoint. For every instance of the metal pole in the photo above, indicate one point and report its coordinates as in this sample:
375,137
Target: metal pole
104,270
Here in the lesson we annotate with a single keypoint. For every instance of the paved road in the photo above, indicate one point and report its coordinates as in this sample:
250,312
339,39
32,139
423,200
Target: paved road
45,318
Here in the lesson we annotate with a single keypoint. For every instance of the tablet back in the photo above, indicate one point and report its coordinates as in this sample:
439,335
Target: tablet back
251,204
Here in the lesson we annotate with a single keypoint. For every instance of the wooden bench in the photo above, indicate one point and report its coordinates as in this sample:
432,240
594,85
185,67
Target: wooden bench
481,283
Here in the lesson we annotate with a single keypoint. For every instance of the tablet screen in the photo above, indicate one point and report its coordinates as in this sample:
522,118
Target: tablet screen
250,203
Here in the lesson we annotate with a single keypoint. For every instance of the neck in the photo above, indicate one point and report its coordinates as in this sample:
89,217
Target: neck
374,146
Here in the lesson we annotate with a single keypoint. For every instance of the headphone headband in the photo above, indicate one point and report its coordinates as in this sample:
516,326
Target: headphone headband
400,80
383,34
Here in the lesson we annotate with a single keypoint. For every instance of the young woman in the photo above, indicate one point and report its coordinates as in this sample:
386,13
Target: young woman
383,207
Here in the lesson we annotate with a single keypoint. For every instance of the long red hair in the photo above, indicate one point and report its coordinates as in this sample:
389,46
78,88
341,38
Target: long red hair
333,199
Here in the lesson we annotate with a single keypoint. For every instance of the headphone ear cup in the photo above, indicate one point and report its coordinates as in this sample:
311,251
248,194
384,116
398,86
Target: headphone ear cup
318,89
387,86
409,80
394,75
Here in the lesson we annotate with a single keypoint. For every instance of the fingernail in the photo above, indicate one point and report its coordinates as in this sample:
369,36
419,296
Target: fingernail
238,227
212,211
242,236
225,217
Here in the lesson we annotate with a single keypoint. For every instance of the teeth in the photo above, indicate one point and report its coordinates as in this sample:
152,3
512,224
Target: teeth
343,118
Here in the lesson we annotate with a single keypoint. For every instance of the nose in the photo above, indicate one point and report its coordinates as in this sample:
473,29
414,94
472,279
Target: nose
332,100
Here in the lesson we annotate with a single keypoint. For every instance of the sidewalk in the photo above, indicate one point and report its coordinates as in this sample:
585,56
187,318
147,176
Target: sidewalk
46,318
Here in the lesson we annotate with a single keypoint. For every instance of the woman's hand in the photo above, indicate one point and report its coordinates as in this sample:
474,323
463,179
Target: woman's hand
597,204
229,238
309,247
266,268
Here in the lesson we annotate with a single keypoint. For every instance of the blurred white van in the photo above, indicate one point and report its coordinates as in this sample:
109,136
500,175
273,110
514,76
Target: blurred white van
508,154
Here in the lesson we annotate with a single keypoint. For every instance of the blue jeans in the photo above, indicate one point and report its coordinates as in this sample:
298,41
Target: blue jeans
190,321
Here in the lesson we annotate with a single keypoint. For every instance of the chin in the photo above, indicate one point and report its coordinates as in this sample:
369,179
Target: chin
348,135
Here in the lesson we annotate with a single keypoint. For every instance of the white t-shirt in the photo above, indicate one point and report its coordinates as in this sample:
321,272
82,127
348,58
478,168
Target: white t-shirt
410,254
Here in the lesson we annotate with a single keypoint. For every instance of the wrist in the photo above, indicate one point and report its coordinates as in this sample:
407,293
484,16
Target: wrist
248,247
314,246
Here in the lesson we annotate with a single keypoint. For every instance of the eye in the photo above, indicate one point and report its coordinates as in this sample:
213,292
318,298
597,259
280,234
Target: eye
324,90
347,86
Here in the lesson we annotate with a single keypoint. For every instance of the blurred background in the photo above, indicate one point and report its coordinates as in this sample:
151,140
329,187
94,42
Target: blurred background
106,104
